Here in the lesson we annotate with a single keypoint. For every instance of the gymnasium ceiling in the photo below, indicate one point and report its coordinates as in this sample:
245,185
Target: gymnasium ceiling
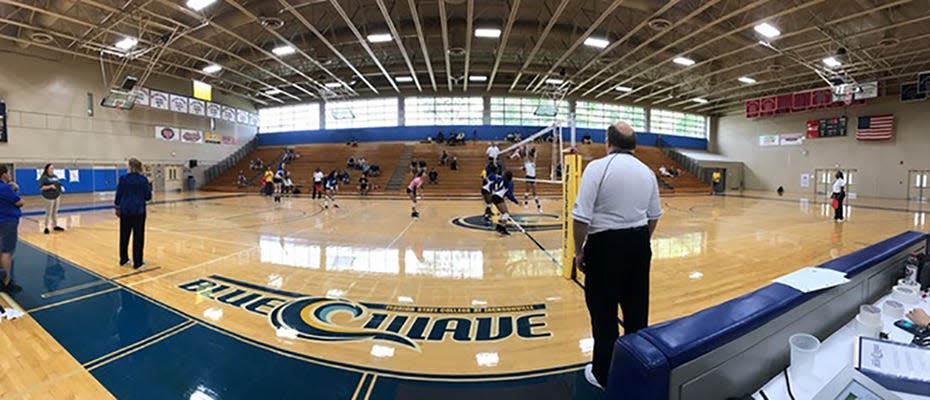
434,42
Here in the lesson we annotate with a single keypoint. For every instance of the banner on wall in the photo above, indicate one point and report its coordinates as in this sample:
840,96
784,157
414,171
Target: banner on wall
75,175
791,139
214,110
196,107
242,116
798,102
142,97
158,100
805,180
178,103
229,114
768,140
191,136
166,133
253,119
230,140
212,137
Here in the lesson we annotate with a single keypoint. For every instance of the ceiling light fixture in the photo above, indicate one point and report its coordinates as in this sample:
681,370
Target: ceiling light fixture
380,37
767,30
477,78
747,80
832,62
212,69
488,32
273,91
555,81
596,42
623,89
333,85
699,100
127,43
198,5
283,50
403,79
683,61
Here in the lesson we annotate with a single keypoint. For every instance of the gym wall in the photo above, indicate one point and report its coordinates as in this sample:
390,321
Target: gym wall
882,165
46,97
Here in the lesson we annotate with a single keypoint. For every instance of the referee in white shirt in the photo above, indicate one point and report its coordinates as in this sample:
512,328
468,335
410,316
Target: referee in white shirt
615,214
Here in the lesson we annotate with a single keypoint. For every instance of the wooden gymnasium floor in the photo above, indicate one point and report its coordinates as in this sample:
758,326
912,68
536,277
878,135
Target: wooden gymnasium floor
242,300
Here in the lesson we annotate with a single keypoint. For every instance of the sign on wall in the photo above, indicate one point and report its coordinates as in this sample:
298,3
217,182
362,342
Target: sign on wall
791,139
196,107
827,127
212,137
179,103
142,97
923,82
229,114
768,140
159,100
214,110
805,180
910,93
191,136
166,133
242,117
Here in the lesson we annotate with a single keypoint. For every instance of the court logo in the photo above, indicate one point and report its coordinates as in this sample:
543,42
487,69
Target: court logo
327,319
530,222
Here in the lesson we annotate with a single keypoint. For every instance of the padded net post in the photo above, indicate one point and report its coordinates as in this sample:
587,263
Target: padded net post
571,178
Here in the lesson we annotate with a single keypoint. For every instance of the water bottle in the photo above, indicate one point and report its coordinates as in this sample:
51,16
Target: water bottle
910,269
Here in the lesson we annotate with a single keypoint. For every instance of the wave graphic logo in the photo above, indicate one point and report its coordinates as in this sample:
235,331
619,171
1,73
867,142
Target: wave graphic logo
313,318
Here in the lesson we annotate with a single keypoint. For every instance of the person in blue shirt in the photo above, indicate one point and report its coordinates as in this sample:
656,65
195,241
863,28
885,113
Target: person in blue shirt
331,185
10,211
133,191
502,188
488,175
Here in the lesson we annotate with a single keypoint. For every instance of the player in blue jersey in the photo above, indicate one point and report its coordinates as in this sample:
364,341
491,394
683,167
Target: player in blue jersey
501,188
330,186
488,175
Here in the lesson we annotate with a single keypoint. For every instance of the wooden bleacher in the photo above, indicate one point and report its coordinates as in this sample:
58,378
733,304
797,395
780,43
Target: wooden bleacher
463,182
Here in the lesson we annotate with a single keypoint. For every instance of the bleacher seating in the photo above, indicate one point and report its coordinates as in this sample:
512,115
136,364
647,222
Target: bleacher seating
463,182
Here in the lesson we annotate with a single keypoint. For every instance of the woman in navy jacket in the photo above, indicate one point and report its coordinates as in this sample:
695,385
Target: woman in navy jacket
133,191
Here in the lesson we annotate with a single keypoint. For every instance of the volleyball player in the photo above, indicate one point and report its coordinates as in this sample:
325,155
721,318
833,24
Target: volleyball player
488,175
412,192
501,190
317,184
330,185
278,180
529,166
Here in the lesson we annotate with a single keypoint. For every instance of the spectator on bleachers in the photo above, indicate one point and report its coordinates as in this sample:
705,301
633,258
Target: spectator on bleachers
460,138
474,136
433,176
374,170
413,167
344,177
421,166
493,151
257,164
518,136
363,186
443,157
663,172
674,171
586,139
352,143
241,180
350,163
510,137
454,164
440,138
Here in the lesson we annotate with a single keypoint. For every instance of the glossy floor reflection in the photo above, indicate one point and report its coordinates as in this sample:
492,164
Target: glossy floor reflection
242,297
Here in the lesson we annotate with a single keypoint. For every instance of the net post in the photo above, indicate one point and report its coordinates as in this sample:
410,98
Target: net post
571,177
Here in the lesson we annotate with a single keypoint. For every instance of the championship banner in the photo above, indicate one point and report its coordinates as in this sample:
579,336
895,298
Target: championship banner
229,114
196,107
791,139
787,103
142,97
768,140
191,136
167,133
230,140
910,93
178,103
159,100
212,137
214,110
242,116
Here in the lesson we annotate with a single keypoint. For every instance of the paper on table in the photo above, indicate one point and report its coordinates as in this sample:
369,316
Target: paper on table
811,279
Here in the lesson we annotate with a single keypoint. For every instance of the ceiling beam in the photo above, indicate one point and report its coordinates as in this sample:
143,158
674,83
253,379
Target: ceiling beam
363,42
502,46
755,60
469,19
287,6
539,42
400,42
593,27
422,39
444,25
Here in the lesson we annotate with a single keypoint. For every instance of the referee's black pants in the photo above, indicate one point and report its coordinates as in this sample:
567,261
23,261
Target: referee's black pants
616,271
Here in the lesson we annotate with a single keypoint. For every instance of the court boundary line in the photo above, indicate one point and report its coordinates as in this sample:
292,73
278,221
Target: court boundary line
358,386
111,206
136,346
818,202
448,378
73,299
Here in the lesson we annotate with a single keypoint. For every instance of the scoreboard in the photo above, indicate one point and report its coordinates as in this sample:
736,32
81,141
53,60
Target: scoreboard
827,127
3,137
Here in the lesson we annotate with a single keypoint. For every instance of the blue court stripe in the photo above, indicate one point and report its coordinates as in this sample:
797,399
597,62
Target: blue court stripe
110,206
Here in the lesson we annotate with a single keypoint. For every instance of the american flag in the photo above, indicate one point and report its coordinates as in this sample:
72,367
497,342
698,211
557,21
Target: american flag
876,127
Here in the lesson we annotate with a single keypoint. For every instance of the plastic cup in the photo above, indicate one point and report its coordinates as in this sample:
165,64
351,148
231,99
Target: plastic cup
804,349
913,285
904,294
868,328
870,314
893,309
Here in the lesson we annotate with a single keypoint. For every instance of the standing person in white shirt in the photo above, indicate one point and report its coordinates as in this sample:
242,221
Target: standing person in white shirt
529,166
317,184
839,193
615,214
493,151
